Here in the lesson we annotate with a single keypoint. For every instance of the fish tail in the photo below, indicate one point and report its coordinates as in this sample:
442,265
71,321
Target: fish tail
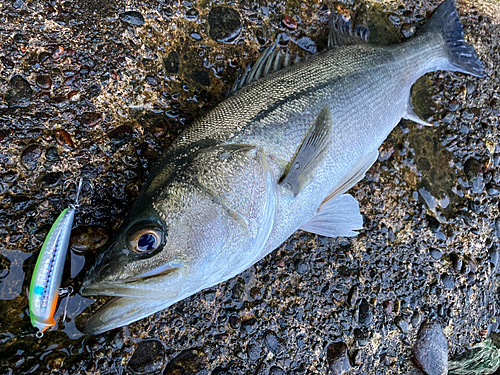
461,56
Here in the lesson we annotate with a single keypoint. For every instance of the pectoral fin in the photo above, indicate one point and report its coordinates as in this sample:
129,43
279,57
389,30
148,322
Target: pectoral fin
311,153
412,116
336,217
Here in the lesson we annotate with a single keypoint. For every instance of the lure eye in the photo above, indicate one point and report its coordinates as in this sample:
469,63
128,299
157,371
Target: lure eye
145,240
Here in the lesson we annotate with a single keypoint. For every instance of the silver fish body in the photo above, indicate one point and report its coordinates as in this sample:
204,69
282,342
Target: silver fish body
274,157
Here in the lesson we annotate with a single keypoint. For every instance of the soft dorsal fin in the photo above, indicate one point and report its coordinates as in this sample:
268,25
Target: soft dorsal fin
336,217
342,32
311,152
272,60
412,116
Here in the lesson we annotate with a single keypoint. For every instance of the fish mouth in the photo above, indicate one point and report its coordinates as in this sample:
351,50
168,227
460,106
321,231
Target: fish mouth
163,283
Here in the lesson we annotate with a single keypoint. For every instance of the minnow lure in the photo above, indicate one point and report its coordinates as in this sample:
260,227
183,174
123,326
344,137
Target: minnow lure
44,288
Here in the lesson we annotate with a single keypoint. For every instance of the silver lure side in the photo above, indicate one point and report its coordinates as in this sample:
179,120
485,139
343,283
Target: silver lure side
276,156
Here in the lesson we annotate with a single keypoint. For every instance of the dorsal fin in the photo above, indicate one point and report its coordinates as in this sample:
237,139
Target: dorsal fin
272,60
342,32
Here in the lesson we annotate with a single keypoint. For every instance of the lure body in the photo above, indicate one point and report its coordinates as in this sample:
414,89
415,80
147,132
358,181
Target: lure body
46,280
44,288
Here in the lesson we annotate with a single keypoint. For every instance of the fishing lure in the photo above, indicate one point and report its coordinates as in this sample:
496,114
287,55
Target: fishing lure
44,287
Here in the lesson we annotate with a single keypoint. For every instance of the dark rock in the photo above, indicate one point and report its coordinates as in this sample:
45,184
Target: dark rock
248,326
20,92
365,315
121,135
271,341
88,238
64,139
416,319
51,179
254,351
90,118
192,14
353,295
132,17
360,337
189,362
221,371
402,324
472,167
493,257
202,77
225,24
171,63
238,289
44,82
337,358
7,62
148,358
448,281
436,254
51,155
301,267
275,370
388,306
430,351
30,156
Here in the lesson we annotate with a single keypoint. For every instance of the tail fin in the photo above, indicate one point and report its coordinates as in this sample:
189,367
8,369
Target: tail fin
461,55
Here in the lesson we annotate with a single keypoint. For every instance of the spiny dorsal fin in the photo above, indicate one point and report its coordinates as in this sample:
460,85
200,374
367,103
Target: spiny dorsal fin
272,60
311,153
342,32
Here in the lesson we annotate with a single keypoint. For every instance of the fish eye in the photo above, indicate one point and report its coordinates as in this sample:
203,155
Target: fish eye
145,240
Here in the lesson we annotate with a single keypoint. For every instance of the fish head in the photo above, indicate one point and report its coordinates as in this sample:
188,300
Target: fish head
172,243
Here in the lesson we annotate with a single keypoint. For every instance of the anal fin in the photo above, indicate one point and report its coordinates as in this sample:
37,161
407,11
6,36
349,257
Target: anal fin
311,153
336,217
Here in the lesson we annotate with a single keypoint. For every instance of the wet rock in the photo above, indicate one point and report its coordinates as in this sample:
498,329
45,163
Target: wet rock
430,351
51,155
402,324
88,238
19,93
337,358
448,281
90,118
271,341
171,63
365,317
189,362
254,351
148,358
225,24
121,135
64,139
436,254
132,17
44,82
202,77
289,23
31,156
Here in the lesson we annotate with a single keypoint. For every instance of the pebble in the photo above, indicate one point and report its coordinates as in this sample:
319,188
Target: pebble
365,315
254,351
352,297
148,358
307,44
6,62
360,337
64,139
289,23
44,82
430,351
51,179
225,24
416,319
171,63
493,257
132,17
121,135
271,341
31,156
88,238
51,155
338,358
436,254
388,306
19,94
248,326
275,370
191,361
90,118
402,324
448,281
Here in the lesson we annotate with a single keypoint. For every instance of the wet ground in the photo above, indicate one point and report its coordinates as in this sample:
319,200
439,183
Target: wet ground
97,89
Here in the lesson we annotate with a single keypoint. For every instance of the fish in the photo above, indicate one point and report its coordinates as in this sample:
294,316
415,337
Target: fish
47,276
276,156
